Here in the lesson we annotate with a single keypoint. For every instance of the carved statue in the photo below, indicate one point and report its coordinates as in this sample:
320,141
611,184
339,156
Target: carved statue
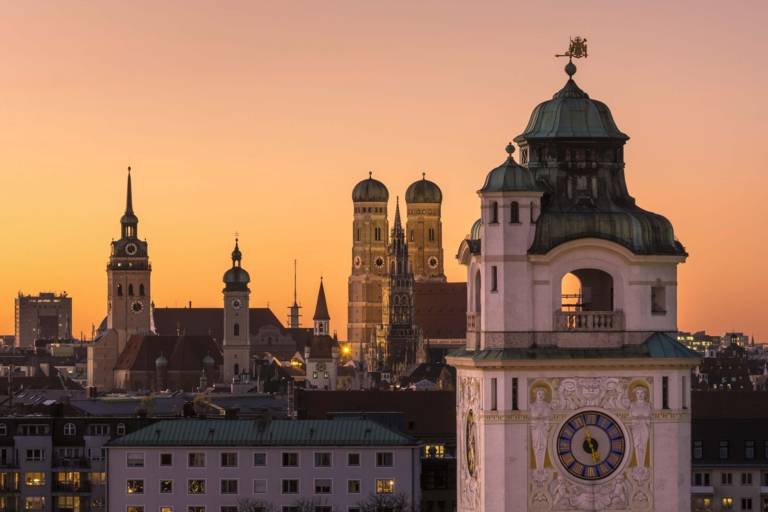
540,414
640,412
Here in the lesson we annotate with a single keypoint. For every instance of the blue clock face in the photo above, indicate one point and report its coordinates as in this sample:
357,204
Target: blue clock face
591,445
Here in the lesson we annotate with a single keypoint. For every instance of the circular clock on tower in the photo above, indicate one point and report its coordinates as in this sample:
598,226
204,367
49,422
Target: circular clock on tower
137,307
131,249
358,261
379,262
236,303
432,262
591,445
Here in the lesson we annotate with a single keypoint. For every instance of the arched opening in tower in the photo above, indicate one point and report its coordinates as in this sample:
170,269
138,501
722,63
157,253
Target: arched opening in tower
586,289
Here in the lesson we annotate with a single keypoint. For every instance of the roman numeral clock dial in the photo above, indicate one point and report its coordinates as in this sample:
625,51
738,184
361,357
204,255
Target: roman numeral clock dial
591,445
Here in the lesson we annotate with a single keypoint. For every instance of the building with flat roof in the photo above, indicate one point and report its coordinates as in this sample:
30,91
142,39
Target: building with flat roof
210,465
46,316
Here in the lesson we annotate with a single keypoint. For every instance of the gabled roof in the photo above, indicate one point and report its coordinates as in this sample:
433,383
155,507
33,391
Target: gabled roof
206,321
228,432
184,353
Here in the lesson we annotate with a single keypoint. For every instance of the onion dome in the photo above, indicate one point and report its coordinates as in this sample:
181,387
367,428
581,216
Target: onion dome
510,177
423,191
236,278
571,113
474,233
161,361
370,191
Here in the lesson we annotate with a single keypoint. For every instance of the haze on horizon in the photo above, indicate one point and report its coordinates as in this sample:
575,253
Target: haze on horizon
260,118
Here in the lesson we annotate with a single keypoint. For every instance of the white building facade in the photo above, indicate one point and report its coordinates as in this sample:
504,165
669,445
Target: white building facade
573,393
218,465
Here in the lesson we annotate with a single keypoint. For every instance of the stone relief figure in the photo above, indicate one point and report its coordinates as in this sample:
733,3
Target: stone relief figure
469,390
640,413
620,493
540,414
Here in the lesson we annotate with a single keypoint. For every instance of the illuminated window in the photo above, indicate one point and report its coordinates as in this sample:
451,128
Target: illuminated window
68,503
434,451
98,477
37,503
196,486
135,486
384,486
727,502
34,479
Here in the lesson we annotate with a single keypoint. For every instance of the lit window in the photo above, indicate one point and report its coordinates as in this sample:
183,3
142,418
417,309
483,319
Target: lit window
135,486
434,451
384,486
727,502
34,479
37,503
196,486
98,477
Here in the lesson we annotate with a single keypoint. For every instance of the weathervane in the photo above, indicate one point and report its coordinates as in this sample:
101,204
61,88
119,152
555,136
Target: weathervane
577,49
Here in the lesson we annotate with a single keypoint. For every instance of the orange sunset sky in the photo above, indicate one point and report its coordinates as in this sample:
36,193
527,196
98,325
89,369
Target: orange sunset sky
260,117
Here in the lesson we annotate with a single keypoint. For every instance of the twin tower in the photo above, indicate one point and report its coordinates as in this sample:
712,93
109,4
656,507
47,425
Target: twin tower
373,262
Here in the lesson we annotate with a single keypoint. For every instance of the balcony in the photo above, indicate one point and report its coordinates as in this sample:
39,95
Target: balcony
71,487
71,462
589,321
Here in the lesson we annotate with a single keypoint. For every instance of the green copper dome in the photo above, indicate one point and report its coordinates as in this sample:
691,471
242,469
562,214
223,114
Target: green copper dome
370,191
236,278
423,191
571,113
474,233
509,177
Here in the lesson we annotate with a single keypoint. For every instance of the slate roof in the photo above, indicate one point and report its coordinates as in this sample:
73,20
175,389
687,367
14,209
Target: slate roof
658,345
441,309
228,432
206,321
184,353
321,308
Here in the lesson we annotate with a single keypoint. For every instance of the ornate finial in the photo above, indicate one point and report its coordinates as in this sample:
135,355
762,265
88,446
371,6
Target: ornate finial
510,149
423,176
576,50
370,174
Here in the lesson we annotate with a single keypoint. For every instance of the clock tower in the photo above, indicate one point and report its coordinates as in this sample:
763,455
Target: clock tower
237,339
424,230
573,393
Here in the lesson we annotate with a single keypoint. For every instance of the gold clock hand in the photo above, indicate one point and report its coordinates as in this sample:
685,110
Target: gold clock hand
595,454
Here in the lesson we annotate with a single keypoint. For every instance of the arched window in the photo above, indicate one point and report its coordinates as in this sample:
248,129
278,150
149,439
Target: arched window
70,429
119,290
514,213
357,234
236,330
478,292
130,290
494,212
431,234
377,234
141,290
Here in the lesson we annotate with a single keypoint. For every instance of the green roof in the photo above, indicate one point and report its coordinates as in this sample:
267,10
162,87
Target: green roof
658,345
230,432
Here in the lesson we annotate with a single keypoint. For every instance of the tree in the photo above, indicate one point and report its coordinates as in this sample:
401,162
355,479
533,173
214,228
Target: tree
311,504
386,503
248,505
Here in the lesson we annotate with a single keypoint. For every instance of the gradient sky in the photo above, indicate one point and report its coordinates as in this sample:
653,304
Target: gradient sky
261,117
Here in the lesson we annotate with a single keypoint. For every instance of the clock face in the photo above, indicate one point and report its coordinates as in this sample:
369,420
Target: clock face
591,445
358,261
470,440
137,307
379,262
432,262
236,303
131,249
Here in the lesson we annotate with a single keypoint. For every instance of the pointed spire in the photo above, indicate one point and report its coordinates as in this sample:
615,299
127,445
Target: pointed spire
236,254
129,195
398,224
321,309
294,283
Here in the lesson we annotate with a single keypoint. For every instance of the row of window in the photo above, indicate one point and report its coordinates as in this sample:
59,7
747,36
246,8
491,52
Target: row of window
130,290
234,508
724,450
70,429
288,486
514,212
288,459
705,503
702,478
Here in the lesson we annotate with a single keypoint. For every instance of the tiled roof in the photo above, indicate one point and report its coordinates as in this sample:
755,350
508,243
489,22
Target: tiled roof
228,432
658,345
206,321
184,353
441,309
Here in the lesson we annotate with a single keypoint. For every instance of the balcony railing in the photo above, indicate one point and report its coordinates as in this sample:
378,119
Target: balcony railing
589,320
71,487
71,462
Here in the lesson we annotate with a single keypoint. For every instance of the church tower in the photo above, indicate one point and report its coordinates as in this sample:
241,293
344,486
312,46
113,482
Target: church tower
128,298
424,230
321,317
237,342
573,392
369,262
397,337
